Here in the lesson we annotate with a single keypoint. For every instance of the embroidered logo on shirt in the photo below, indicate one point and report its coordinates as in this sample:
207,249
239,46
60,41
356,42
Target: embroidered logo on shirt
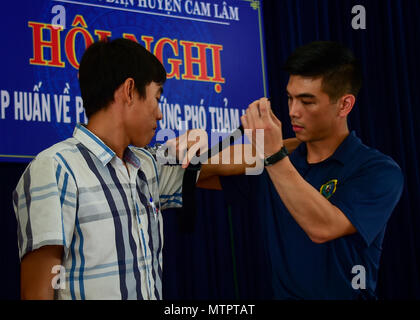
328,188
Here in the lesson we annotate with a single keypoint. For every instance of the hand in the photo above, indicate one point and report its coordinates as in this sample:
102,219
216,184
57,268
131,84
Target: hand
260,116
187,146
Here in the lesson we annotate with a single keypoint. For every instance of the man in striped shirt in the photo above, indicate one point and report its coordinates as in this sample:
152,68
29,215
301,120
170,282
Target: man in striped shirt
90,206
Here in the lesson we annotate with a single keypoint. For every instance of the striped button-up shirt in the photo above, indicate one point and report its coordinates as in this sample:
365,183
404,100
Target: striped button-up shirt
106,215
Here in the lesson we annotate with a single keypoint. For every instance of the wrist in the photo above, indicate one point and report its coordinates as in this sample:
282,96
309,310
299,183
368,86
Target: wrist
276,157
273,148
270,152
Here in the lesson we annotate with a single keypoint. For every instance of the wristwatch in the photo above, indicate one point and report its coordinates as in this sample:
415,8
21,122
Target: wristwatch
276,157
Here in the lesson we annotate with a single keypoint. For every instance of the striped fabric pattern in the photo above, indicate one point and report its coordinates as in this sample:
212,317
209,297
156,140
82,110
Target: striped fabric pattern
107,216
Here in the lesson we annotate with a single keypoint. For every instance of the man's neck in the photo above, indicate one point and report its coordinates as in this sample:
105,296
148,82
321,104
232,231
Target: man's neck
323,149
110,131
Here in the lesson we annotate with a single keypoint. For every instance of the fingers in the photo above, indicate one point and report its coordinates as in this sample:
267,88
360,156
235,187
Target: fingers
276,121
197,144
191,153
244,122
181,146
251,115
254,112
172,146
257,114
265,110
187,146
260,116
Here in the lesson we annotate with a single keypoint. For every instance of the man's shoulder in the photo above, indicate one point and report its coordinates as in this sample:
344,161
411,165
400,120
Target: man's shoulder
370,155
40,167
373,161
145,154
62,148
61,154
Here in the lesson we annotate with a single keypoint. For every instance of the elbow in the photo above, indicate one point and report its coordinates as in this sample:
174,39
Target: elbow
212,183
319,237
36,295
319,240
325,234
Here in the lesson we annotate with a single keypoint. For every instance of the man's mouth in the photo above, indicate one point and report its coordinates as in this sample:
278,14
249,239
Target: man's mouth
297,128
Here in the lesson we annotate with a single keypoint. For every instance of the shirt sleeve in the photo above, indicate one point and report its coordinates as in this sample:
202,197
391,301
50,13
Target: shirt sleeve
368,198
170,185
44,202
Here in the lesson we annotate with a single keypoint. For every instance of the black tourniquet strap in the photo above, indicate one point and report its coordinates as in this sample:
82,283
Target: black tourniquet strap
187,215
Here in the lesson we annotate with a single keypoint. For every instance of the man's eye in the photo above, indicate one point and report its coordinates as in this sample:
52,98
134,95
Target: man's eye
307,102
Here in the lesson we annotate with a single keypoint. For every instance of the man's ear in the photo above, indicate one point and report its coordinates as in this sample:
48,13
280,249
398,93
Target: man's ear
128,89
346,104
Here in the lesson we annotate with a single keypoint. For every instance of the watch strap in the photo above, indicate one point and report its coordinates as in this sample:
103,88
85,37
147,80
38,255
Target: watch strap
276,157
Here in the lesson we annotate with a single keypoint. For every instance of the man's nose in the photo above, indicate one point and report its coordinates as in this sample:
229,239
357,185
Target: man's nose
293,109
159,115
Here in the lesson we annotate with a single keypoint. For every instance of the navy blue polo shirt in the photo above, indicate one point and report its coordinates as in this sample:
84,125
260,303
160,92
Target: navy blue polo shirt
364,184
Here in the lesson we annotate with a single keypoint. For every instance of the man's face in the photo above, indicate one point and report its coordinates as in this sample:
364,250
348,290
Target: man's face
314,117
143,117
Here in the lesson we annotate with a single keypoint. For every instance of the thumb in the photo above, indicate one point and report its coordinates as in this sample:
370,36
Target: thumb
276,121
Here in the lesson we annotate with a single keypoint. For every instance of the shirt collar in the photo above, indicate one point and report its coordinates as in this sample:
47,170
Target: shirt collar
342,154
346,149
100,149
130,157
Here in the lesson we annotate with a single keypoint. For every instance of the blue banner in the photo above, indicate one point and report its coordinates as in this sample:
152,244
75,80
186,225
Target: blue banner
212,51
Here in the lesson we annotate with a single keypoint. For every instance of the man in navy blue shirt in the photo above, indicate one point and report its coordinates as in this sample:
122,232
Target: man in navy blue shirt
324,208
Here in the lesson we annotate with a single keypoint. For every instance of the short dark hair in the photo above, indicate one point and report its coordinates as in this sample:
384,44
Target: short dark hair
339,69
105,65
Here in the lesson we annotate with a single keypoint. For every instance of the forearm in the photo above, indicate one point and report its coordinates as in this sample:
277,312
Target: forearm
36,273
223,164
231,161
320,220
236,159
